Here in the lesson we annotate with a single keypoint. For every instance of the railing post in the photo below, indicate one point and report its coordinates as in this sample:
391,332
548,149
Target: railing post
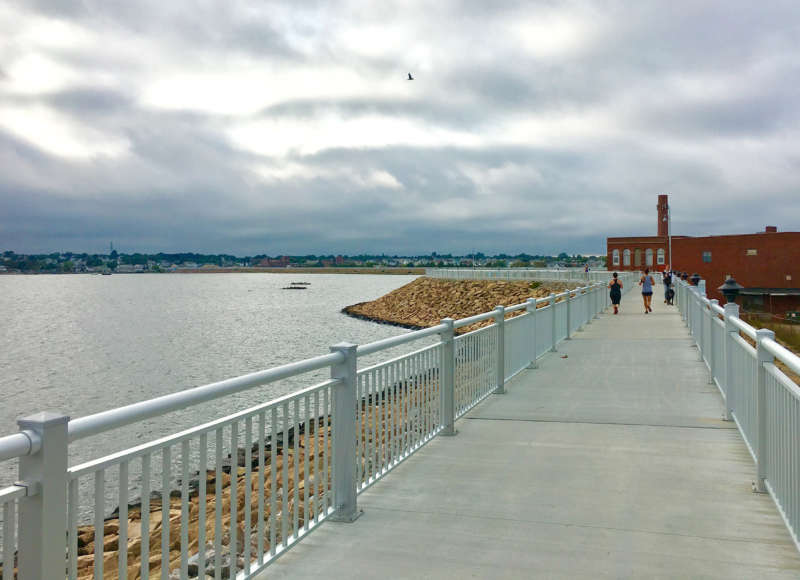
701,309
344,435
447,378
530,308
500,323
552,299
762,357
712,354
43,511
731,311
597,302
569,313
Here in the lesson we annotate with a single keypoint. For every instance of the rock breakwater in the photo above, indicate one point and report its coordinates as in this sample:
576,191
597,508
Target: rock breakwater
425,301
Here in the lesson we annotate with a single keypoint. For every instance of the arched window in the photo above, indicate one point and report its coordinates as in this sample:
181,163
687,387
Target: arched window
660,256
637,257
615,258
626,257
648,256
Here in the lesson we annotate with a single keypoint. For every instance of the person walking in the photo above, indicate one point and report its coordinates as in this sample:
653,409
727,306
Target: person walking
647,282
615,292
667,279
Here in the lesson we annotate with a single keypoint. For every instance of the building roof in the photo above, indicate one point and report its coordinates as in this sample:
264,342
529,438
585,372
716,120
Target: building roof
772,291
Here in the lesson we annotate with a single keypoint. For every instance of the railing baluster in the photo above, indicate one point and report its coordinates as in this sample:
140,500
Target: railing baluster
326,397
166,467
262,420
218,503
306,453
285,486
72,533
248,485
273,475
363,420
9,538
144,517
234,499
318,424
295,467
123,521
99,522
185,508
202,481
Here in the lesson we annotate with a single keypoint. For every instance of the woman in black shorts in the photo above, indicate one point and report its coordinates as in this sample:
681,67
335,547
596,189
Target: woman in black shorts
616,292
647,282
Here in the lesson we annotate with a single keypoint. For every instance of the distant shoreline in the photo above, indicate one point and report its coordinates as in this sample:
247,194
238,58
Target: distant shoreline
387,271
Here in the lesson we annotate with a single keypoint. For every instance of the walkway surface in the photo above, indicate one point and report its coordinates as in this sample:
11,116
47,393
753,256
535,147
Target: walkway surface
611,460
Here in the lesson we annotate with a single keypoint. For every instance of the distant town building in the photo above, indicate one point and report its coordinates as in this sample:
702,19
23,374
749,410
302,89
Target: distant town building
767,263
279,262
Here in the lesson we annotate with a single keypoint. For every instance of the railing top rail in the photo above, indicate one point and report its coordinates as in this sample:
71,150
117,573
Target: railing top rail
473,319
393,341
11,492
113,458
783,354
745,328
18,444
105,420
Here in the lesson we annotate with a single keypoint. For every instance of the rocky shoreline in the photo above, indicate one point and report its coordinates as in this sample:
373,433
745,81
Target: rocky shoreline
425,301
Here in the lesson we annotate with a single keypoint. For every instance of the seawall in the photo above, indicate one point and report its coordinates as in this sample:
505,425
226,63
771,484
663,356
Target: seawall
425,301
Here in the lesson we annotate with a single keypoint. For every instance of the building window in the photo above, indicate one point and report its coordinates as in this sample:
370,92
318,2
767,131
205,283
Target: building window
637,257
752,252
706,257
626,257
660,256
648,256
615,258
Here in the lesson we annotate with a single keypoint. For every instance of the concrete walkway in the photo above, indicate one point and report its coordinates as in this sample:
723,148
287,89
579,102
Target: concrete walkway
610,463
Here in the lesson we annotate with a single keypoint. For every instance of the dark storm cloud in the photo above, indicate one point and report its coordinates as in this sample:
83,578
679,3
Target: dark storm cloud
89,101
694,100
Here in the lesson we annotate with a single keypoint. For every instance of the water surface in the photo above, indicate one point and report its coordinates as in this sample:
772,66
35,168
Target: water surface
79,344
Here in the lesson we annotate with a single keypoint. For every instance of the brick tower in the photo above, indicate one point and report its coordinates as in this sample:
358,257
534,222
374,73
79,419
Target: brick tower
663,217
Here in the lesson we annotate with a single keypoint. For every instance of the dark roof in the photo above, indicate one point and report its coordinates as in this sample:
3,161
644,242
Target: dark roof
772,291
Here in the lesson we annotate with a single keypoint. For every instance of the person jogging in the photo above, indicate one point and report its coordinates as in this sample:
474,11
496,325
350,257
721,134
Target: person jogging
646,282
615,292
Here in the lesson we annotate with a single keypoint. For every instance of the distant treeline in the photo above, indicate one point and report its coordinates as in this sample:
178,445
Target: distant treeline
77,262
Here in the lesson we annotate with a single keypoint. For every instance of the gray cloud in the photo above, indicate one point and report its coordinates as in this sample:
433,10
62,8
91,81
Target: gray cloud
497,146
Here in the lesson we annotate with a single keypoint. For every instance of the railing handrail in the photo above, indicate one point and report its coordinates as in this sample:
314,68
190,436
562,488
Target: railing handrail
18,445
121,416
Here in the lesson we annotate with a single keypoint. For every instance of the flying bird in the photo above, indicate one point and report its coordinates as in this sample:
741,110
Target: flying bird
410,77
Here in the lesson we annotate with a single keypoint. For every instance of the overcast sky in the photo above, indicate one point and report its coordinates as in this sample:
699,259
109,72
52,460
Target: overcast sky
289,127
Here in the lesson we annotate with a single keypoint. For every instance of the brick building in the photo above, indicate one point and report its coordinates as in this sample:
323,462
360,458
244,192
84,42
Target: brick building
767,264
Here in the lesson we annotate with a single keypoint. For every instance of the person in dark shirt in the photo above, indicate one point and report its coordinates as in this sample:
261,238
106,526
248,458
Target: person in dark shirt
615,292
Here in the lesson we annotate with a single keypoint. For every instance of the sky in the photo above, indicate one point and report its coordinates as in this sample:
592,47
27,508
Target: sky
291,128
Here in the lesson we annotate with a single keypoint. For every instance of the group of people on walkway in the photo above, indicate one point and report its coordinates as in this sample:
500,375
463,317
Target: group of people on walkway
647,282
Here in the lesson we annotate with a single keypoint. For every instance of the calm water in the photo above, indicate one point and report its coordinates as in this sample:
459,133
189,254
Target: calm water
80,344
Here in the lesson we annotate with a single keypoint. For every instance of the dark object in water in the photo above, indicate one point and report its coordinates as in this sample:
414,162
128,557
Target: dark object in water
294,288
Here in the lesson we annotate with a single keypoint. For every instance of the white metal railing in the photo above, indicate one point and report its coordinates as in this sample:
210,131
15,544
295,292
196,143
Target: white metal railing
762,400
566,274
230,496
